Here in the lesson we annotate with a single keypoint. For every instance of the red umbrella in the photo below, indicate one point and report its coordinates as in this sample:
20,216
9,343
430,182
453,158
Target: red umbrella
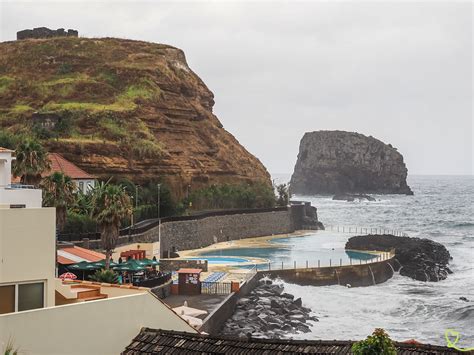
68,276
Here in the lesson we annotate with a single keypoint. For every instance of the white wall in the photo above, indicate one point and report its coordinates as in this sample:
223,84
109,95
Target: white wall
31,198
27,247
95,327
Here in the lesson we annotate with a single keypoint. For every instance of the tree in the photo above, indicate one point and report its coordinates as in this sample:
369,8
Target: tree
31,161
283,195
105,275
379,343
110,205
58,191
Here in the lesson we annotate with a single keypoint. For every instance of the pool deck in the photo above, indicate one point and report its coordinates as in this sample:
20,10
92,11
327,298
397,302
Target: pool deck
258,242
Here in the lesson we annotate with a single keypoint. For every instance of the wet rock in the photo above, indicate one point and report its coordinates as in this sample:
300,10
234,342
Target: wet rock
420,259
298,302
268,312
353,197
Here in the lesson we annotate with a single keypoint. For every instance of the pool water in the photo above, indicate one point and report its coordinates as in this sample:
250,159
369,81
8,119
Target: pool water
220,260
320,248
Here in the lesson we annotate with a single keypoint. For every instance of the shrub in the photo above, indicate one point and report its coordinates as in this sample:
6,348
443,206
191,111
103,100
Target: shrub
379,343
79,224
64,68
226,196
106,276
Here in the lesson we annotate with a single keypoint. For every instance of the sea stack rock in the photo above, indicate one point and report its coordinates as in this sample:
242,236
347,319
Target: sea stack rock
338,162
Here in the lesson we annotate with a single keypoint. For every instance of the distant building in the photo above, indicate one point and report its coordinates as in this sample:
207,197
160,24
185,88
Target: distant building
84,181
44,32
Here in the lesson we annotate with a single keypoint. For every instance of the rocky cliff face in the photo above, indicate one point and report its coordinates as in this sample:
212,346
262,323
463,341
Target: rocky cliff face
121,108
331,162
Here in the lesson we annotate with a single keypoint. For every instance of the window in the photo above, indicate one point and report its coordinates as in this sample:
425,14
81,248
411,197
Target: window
30,296
7,299
21,297
81,186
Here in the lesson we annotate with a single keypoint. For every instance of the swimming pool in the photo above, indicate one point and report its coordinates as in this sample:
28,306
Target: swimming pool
321,249
221,260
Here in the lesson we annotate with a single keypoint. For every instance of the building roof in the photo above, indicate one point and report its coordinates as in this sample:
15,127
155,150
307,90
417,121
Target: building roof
60,164
189,271
74,254
6,150
155,341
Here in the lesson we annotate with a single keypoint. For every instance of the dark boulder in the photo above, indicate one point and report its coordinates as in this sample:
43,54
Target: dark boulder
420,259
353,197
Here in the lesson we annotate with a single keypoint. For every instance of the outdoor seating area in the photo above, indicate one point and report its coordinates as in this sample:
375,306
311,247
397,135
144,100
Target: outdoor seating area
139,272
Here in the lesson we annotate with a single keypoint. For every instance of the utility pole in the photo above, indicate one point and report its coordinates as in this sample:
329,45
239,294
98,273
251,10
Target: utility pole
158,201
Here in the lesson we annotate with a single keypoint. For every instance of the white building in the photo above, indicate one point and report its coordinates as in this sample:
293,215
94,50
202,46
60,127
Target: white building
15,195
30,314
84,181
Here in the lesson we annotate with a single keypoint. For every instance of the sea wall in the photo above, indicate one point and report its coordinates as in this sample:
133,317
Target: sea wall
214,322
354,275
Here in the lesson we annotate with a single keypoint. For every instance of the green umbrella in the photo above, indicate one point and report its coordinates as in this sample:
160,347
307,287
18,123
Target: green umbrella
130,266
101,264
147,262
83,266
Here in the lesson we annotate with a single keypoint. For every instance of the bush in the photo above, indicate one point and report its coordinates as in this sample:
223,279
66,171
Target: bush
106,276
79,224
233,196
379,343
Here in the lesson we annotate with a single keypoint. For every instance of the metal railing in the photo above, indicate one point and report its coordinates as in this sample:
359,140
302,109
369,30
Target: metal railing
314,264
154,282
216,288
366,230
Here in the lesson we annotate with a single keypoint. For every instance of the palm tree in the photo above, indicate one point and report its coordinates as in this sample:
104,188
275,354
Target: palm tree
110,205
58,191
31,161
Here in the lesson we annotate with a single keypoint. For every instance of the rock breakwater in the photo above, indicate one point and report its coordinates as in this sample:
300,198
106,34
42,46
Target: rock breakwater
420,259
268,312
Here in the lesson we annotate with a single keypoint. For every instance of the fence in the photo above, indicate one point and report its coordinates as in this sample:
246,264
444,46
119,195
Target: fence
366,230
154,282
216,288
313,264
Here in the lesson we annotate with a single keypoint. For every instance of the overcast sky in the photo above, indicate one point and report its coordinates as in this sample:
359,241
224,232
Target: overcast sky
399,71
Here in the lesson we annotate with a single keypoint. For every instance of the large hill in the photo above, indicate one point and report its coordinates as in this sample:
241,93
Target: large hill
120,107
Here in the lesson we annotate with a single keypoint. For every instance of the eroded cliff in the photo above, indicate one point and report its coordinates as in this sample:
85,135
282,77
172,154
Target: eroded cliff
331,162
120,107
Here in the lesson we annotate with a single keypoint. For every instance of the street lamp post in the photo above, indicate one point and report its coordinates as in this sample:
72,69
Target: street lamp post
158,201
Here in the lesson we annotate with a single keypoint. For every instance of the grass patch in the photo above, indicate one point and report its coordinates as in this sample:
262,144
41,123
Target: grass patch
118,106
5,82
17,109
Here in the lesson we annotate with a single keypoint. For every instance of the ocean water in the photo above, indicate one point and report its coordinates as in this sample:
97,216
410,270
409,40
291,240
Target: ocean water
441,210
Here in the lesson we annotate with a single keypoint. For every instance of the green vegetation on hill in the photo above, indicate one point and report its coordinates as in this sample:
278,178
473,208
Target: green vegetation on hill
91,86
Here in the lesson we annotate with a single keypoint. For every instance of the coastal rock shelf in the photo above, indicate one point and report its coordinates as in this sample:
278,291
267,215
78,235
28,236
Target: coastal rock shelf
267,312
337,162
420,259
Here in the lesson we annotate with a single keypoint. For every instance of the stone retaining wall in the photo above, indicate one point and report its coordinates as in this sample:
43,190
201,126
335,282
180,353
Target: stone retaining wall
354,275
201,232
195,234
214,322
